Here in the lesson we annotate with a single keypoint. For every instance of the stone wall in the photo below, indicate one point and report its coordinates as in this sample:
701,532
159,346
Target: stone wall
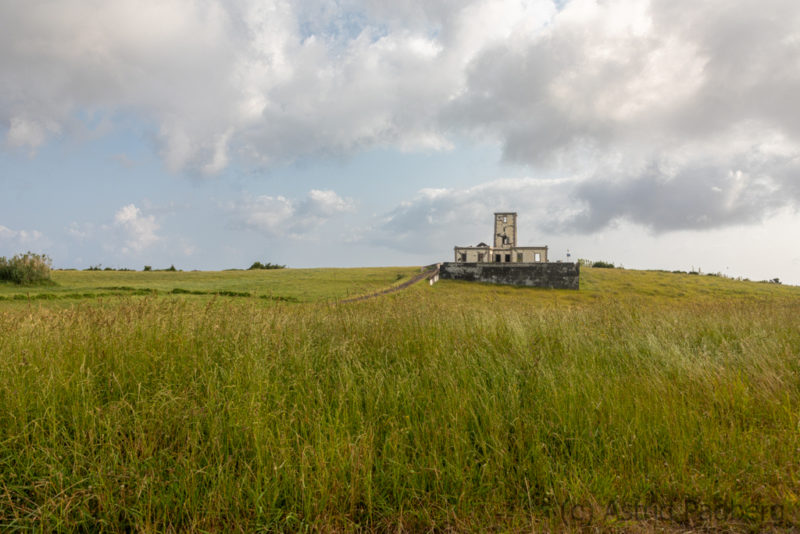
551,275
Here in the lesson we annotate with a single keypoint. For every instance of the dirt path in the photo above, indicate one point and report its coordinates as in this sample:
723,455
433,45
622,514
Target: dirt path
430,273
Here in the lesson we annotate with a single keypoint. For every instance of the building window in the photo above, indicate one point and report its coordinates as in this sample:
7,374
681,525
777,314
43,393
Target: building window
508,258
480,256
505,219
537,257
519,257
497,258
464,256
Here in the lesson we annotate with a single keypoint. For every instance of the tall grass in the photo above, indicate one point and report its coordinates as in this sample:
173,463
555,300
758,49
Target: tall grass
423,410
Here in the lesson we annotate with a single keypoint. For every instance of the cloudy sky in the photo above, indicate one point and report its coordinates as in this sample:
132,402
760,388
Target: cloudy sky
209,134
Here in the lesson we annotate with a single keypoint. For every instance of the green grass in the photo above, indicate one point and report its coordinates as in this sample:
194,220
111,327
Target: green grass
460,406
294,285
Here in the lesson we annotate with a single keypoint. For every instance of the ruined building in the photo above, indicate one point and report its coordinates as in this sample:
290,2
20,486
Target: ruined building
506,263
505,249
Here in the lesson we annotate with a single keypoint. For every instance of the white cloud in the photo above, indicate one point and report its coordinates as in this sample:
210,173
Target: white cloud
139,230
265,214
80,231
281,216
655,103
325,204
21,239
29,133
270,80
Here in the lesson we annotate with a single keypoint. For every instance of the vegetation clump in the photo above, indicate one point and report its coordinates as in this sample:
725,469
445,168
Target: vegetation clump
99,267
268,265
28,268
148,268
602,265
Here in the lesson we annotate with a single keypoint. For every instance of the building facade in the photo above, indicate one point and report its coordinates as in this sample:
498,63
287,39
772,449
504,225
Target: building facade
504,249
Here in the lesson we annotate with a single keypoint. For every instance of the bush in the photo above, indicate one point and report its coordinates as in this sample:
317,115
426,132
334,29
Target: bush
148,267
268,265
25,268
603,265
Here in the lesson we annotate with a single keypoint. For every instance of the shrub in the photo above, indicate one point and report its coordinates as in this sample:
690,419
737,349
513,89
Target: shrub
25,268
603,265
268,265
148,267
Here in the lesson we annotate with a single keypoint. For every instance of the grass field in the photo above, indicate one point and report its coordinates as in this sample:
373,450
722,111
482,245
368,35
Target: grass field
292,285
645,401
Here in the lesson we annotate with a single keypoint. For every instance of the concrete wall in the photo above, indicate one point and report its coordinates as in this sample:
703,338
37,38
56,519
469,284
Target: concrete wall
552,275
505,224
473,254
529,254
485,254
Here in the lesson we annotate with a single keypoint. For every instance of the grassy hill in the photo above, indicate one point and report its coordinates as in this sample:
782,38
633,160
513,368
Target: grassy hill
645,401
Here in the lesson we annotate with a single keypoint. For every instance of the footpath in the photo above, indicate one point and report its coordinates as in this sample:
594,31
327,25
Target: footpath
431,273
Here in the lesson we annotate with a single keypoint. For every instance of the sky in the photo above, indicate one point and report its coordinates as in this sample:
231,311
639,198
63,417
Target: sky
209,134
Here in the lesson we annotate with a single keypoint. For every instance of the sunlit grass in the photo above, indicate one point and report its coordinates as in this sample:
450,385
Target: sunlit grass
463,406
296,285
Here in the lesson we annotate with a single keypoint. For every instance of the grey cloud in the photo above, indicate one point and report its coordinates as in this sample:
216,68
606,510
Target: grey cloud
655,103
268,81
696,198
220,80
663,102
679,70
279,216
438,219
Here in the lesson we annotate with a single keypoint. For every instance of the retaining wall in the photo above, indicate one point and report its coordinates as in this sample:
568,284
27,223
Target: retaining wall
551,275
